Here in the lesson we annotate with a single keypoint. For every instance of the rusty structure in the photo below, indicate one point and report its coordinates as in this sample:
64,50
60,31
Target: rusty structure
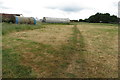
9,17
25,20
17,18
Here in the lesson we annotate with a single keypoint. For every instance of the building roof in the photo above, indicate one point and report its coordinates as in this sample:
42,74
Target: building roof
9,14
56,20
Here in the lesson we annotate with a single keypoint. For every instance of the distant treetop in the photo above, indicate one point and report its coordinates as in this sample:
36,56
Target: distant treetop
101,18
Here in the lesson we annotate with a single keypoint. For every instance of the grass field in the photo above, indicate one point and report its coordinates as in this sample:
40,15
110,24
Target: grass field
75,50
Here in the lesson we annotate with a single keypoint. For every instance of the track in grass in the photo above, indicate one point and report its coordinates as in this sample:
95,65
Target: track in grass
61,51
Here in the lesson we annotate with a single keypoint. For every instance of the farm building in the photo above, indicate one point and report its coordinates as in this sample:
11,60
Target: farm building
25,20
17,18
55,20
9,17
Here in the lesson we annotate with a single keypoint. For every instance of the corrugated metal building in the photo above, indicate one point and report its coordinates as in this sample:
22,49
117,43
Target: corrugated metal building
9,17
55,20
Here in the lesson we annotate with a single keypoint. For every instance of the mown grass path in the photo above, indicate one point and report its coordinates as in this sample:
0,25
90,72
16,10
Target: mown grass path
42,60
61,51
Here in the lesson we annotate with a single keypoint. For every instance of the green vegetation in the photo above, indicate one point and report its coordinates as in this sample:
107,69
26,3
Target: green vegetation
8,28
101,18
87,52
55,23
61,58
11,66
104,18
95,24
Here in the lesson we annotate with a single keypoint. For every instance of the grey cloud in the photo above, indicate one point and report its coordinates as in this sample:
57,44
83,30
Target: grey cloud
67,8
119,9
1,3
119,4
2,6
115,4
26,11
71,9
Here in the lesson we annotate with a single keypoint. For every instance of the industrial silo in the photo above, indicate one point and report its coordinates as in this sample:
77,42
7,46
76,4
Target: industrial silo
25,20
55,20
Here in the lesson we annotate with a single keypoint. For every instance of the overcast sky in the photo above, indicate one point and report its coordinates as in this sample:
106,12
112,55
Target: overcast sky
73,9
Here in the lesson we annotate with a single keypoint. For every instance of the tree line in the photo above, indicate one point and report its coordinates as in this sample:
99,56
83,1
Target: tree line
101,18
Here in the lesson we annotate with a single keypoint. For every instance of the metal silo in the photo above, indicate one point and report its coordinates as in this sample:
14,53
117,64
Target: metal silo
25,20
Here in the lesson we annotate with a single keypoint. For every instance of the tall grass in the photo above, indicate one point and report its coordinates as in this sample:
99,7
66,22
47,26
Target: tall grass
55,67
11,66
8,27
55,23
97,24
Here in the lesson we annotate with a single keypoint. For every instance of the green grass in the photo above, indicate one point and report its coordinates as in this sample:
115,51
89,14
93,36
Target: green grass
12,67
8,28
14,54
24,58
97,24
55,23
101,43
70,75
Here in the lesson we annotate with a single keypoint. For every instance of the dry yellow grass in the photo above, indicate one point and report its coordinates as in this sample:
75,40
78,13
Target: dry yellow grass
44,63
55,56
51,35
101,43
